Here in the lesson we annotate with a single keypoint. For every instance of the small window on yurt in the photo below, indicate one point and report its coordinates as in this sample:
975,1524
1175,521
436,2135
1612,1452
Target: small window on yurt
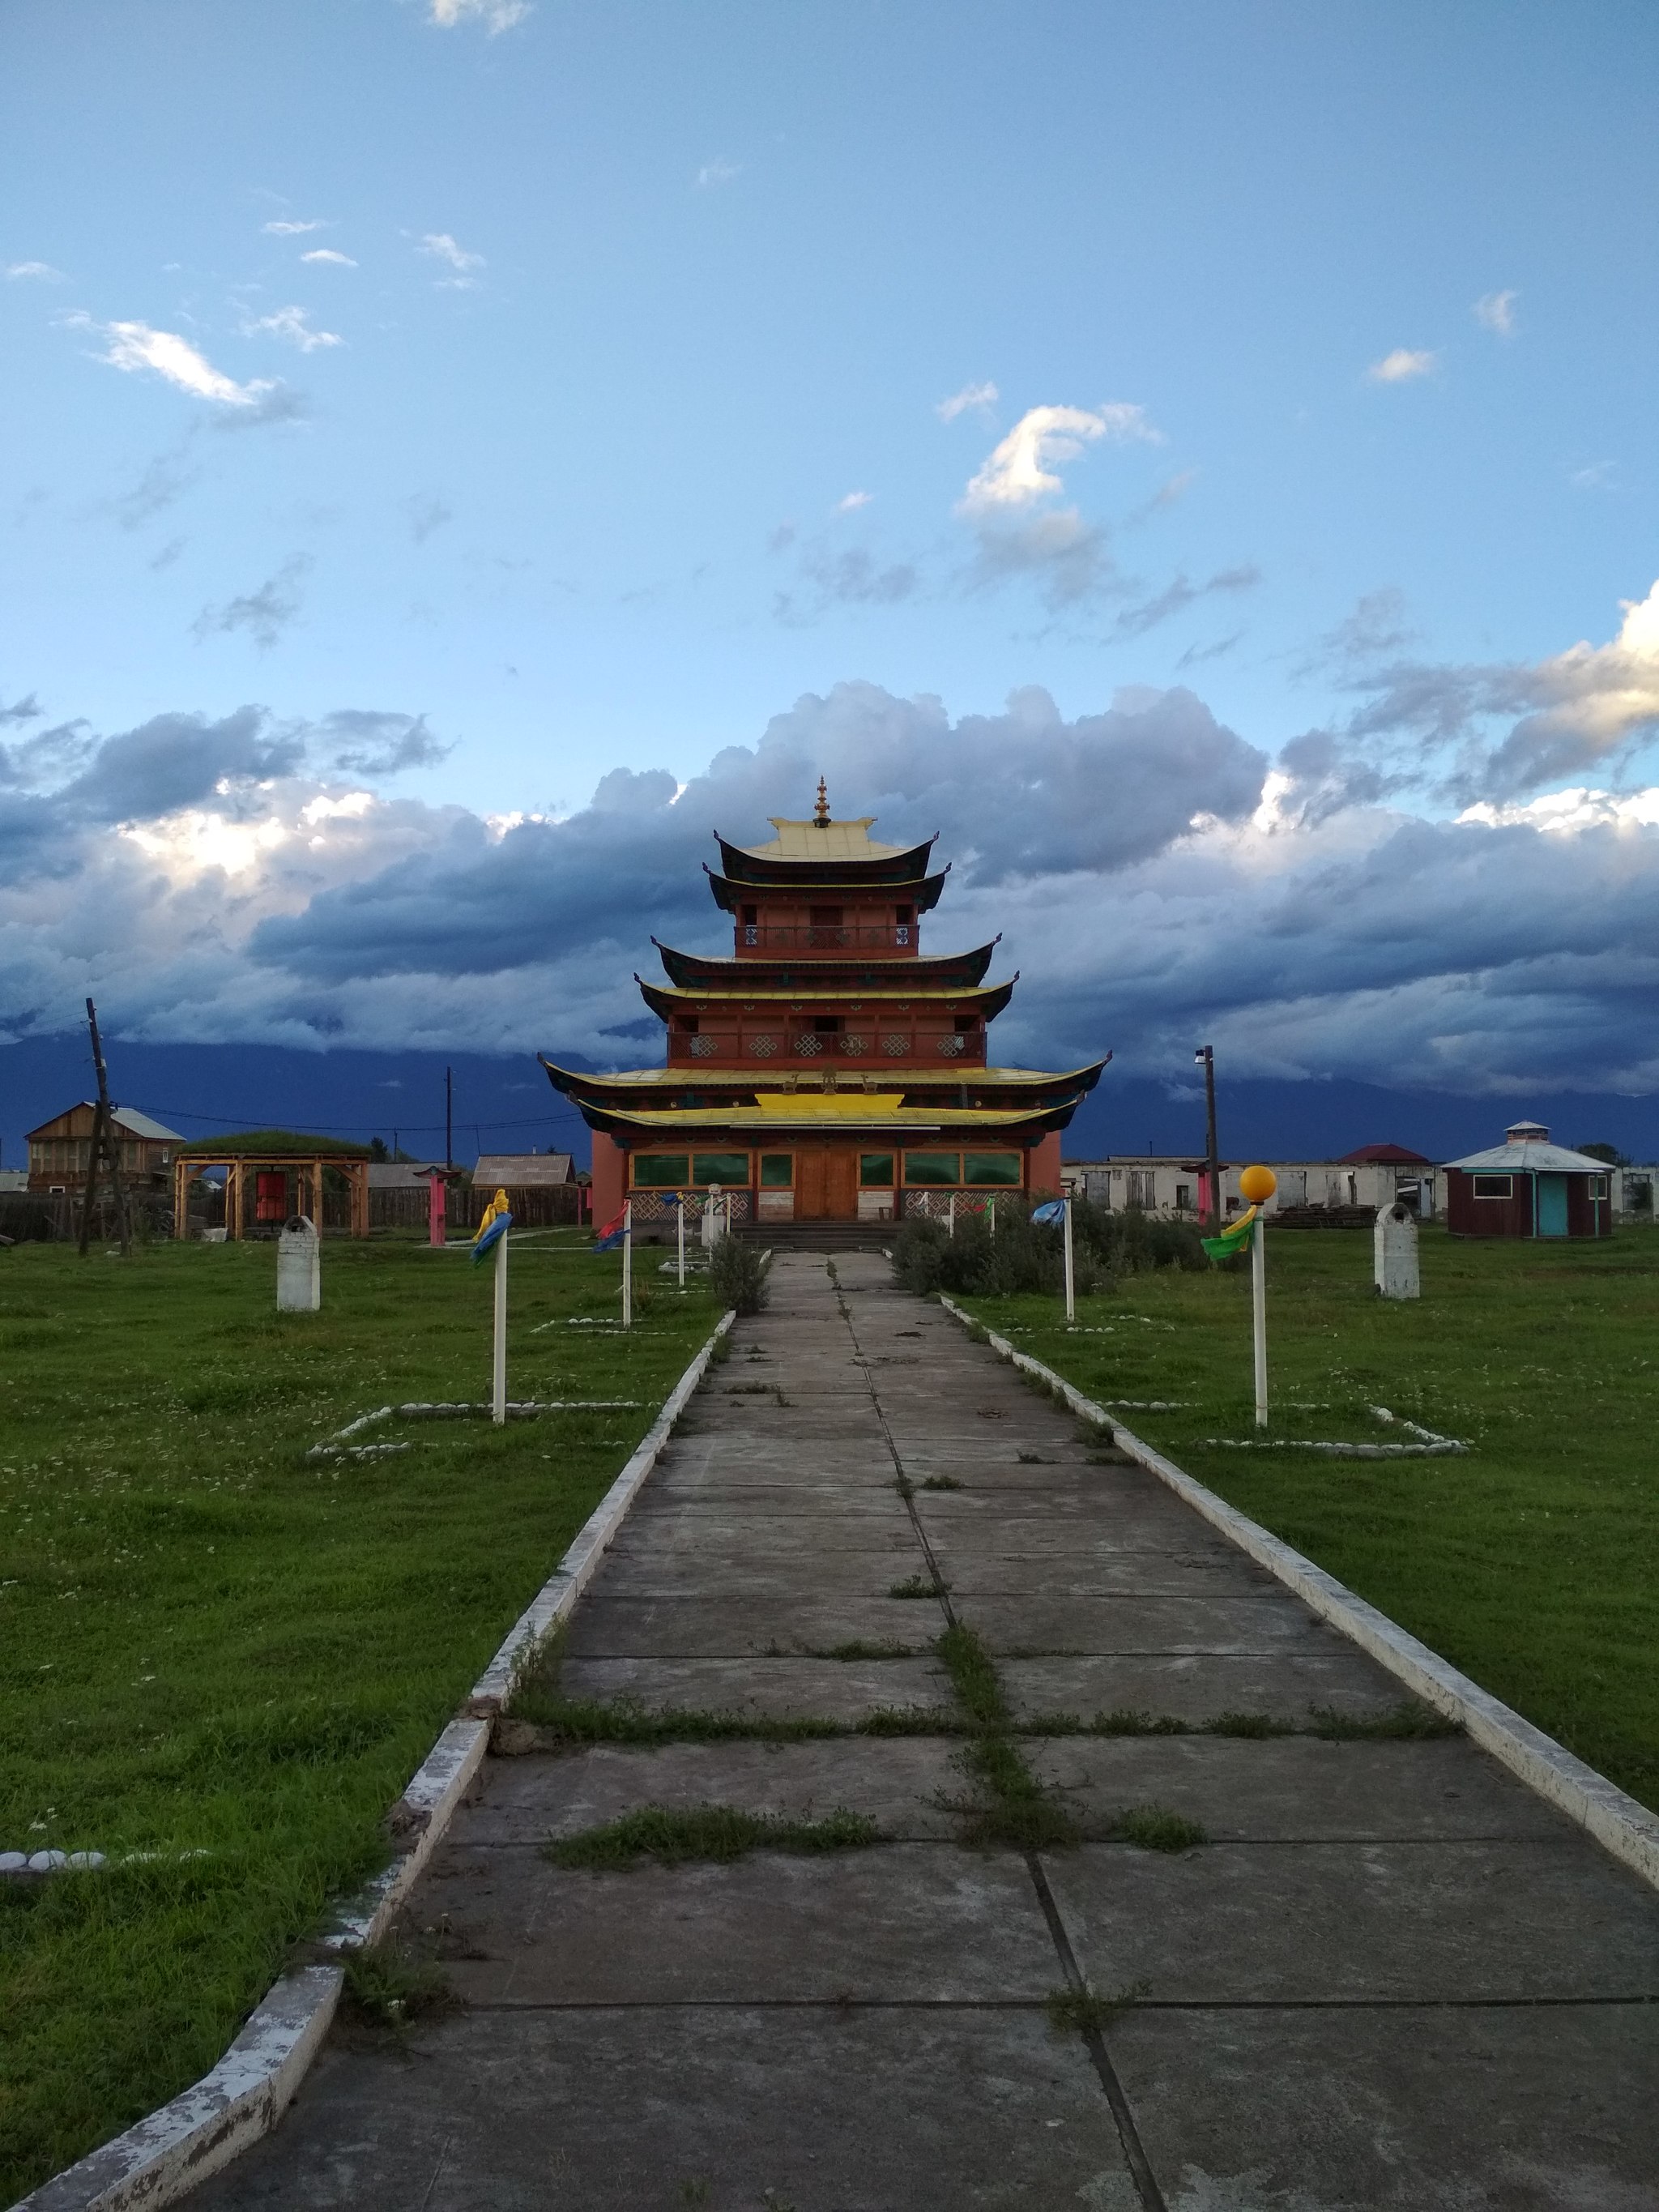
875,1172
719,1167
1494,1185
990,1167
933,1167
777,1171
1598,1186
660,1170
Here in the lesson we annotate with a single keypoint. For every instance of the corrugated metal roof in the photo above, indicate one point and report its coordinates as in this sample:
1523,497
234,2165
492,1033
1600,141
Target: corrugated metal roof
1530,1158
142,1126
522,1171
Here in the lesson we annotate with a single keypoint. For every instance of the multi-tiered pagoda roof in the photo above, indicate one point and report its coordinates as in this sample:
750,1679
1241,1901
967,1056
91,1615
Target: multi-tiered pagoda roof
825,1031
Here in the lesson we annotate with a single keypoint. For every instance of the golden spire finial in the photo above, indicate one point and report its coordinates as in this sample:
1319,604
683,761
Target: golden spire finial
821,813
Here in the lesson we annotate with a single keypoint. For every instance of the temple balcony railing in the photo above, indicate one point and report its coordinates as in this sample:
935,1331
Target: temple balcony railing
818,937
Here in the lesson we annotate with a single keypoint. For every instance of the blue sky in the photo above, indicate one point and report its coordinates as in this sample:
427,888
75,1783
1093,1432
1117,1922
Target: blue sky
426,411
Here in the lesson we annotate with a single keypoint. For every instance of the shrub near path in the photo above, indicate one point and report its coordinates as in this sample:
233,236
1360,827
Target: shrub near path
1530,1562
229,1659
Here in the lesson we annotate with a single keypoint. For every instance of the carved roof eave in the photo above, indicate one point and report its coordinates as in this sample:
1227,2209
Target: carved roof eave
743,866
989,999
731,891
582,1086
749,1121
836,970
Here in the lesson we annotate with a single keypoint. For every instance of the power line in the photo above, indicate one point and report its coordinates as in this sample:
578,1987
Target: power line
350,1128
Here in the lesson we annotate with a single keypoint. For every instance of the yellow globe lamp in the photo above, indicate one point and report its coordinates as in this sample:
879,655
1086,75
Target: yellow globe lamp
1258,1184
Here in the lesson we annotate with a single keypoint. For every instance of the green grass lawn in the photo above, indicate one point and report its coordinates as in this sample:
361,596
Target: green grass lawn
1532,1563
210,1645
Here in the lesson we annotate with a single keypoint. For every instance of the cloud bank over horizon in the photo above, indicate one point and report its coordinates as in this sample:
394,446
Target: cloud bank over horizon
1401,899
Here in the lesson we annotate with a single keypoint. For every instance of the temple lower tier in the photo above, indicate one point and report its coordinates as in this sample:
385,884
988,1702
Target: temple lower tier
855,1178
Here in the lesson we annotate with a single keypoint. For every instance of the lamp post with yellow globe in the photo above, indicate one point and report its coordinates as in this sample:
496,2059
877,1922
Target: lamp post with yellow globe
1258,1184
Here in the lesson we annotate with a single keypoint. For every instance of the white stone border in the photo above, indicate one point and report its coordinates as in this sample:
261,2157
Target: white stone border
180,2144
1617,1822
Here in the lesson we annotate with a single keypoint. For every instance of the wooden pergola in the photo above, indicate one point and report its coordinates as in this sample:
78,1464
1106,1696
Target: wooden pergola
239,1160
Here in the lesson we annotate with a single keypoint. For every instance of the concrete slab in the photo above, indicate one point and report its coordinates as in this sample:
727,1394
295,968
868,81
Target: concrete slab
719,1623
850,1578
1522,2109
905,1923
1130,1623
815,1689
1286,1686
907,2110
1517,1920
896,1782
714,1533
1299,1788
1053,1576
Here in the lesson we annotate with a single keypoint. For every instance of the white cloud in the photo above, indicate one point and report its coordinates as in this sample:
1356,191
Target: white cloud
1578,808
1019,471
442,247
1495,310
853,501
284,227
1401,366
717,173
495,16
981,397
41,271
290,323
327,253
135,346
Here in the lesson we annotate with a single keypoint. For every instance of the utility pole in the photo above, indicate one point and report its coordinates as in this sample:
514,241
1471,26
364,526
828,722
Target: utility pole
1205,1053
105,1152
449,1119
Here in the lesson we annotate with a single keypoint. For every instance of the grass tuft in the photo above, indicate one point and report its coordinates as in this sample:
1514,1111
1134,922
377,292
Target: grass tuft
390,1987
940,1482
1406,1722
913,1586
671,1837
1156,1828
857,1647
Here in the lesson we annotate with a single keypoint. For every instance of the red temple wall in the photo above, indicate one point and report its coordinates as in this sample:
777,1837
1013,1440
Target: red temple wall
609,1178
1045,1164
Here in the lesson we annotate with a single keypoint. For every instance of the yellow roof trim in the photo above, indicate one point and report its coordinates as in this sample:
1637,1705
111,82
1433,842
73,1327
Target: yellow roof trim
829,841
798,1113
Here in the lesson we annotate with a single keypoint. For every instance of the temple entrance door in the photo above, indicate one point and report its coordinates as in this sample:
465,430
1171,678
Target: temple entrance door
826,1184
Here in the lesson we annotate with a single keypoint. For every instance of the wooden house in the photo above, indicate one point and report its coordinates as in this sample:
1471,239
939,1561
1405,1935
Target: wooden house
60,1151
1527,1187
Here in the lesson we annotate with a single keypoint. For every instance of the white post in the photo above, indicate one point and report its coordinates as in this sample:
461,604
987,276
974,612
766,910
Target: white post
1259,1299
994,1216
498,1408
951,1216
1071,1290
628,1264
679,1216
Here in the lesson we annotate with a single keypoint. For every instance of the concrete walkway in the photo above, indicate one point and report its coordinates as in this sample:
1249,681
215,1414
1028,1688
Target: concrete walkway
1391,1977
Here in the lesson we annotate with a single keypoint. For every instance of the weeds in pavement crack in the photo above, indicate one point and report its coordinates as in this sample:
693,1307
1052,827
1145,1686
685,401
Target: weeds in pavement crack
671,1836
1083,2012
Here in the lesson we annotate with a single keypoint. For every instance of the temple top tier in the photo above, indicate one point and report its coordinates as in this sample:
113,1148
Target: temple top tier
824,888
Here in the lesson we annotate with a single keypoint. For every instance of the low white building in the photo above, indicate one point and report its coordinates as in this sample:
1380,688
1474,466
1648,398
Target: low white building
1174,1185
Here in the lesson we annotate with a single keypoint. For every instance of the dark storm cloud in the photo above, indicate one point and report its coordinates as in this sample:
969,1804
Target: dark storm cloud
1015,794
378,743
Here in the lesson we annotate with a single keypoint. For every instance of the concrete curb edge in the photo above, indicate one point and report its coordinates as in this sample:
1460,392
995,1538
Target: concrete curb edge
1617,1821
166,2154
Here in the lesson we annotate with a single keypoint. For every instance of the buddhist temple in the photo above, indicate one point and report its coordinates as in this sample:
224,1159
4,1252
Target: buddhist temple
828,1070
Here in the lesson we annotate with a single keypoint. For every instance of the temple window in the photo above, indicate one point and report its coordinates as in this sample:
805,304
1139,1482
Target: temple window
933,1167
719,1167
996,1168
875,1172
777,1171
660,1170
